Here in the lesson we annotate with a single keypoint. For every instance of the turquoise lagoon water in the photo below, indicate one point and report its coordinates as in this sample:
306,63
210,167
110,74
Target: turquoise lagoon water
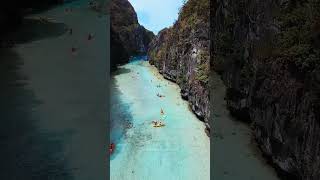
178,151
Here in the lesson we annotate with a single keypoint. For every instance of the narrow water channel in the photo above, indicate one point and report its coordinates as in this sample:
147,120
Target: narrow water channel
178,151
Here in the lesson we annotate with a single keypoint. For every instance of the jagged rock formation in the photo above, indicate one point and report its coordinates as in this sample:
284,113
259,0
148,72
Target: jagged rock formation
268,55
128,37
181,53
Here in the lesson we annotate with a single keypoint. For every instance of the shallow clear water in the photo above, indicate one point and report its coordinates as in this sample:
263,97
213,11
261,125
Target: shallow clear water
178,151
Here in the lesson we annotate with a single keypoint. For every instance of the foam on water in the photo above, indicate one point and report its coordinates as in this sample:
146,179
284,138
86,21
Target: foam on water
178,151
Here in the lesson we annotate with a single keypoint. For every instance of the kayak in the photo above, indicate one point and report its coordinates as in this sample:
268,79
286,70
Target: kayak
159,125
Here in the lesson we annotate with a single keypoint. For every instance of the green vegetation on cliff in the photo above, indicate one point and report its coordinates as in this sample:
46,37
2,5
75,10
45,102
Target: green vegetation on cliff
268,55
298,40
194,10
181,53
202,68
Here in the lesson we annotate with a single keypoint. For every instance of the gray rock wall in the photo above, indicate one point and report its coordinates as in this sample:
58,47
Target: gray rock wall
181,53
268,55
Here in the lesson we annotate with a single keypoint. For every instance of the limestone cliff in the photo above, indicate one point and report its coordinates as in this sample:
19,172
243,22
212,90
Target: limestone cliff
128,37
268,55
181,53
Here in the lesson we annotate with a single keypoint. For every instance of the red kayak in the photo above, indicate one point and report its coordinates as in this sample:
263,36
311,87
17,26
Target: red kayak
111,148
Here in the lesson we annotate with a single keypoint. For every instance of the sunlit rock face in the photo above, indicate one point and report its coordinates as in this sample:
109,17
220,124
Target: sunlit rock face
268,55
128,37
181,53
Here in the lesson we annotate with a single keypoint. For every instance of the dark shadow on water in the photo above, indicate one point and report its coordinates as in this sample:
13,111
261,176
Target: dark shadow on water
119,71
35,29
26,152
121,117
138,58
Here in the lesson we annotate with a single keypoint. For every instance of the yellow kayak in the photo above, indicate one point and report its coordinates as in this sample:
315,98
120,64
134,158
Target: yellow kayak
159,125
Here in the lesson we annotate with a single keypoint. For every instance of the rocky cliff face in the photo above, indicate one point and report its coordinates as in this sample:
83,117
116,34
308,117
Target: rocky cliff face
181,53
128,37
268,55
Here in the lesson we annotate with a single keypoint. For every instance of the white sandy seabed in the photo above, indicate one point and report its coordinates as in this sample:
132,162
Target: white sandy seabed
178,151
